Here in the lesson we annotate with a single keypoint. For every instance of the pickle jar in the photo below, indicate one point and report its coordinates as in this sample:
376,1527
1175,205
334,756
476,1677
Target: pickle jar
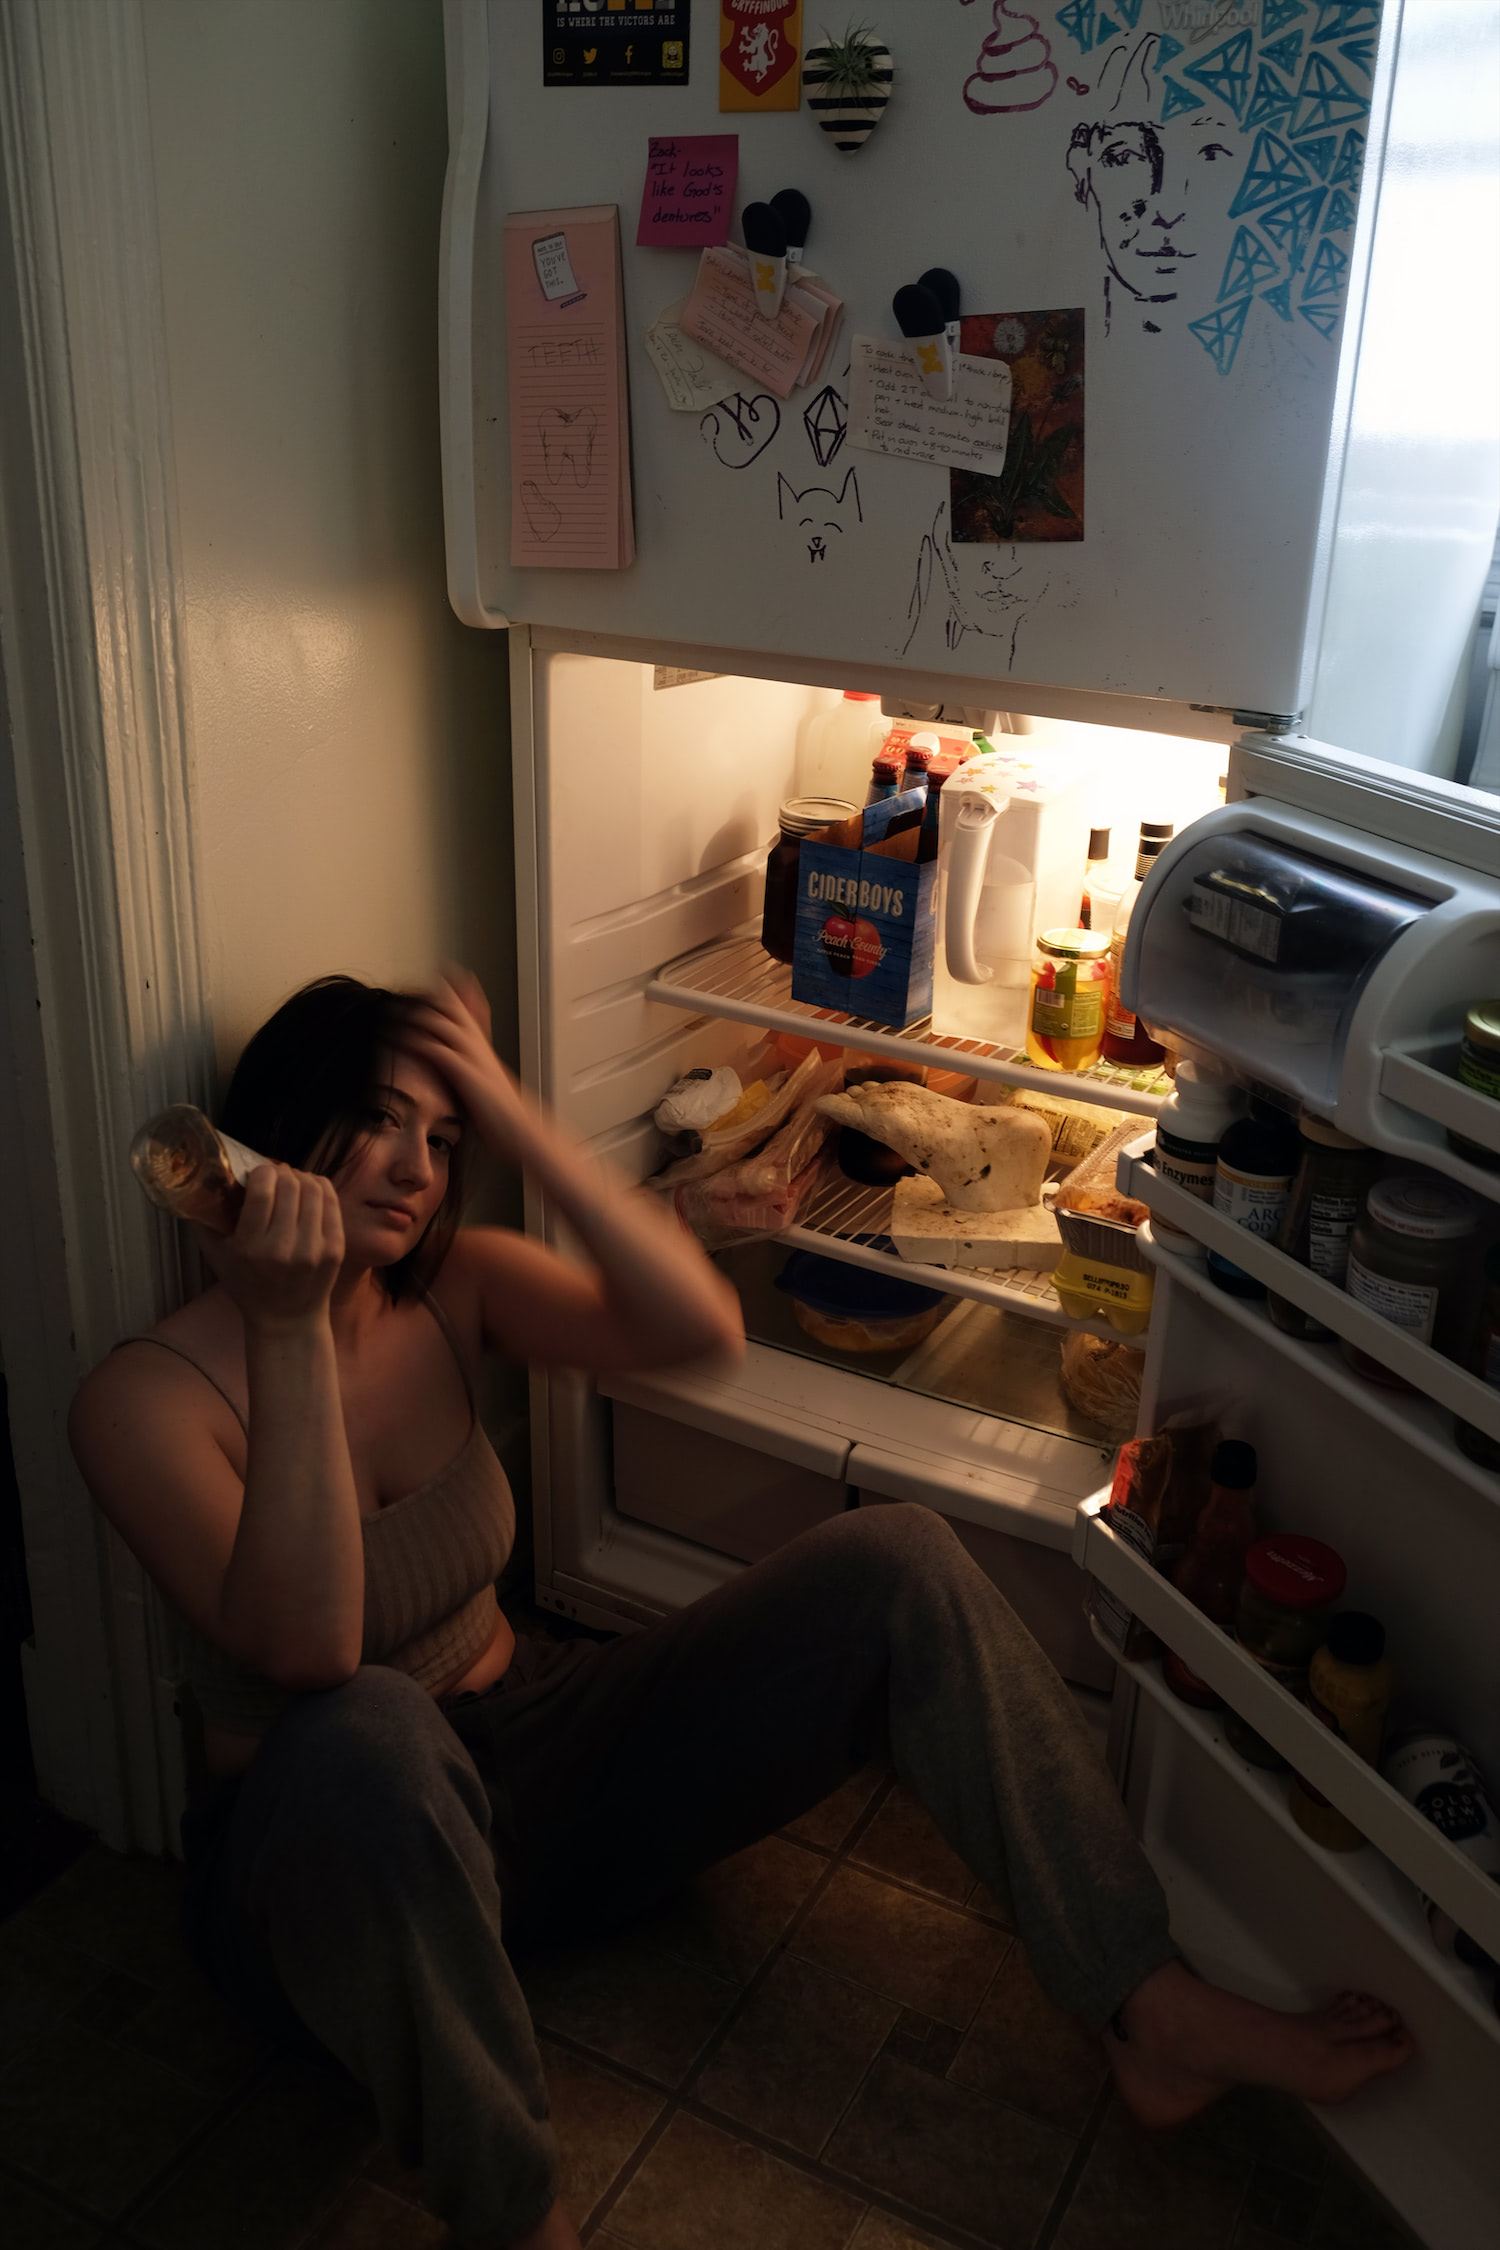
1291,1588
1065,1012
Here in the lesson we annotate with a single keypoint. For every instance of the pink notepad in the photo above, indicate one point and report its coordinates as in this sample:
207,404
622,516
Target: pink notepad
569,410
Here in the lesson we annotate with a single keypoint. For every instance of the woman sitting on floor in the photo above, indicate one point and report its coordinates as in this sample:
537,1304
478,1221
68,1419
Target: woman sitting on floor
295,1459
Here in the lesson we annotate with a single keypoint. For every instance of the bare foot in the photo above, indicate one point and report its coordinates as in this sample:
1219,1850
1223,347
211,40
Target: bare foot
1188,2042
556,2232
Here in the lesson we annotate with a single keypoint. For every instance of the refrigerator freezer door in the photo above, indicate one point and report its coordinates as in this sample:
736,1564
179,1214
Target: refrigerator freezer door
1165,243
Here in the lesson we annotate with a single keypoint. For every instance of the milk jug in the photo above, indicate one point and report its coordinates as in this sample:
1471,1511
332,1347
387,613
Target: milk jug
1013,832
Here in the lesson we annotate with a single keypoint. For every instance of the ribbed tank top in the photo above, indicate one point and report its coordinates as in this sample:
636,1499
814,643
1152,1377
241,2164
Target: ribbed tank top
431,1561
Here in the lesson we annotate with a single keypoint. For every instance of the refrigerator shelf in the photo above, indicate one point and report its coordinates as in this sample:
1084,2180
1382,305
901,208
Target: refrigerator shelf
1413,1847
735,977
842,1212
1419,1080
1441,1383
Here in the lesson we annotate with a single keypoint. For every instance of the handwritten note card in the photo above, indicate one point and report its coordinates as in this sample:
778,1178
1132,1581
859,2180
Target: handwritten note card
719,311
689,192
890,412
569,413
692,376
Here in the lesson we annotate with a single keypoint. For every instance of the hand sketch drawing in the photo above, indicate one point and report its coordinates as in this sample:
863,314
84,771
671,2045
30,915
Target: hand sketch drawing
1015,69
826,421
568,443
1148,185
819,513
972,589
739,429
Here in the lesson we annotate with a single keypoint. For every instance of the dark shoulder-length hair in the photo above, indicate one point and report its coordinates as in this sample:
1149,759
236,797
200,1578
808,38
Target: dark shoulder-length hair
303,1090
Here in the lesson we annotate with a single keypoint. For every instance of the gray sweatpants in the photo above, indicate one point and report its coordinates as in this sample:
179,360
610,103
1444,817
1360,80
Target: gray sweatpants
362,1867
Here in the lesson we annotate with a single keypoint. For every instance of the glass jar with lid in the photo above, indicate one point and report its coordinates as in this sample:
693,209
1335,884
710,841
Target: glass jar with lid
1065,1013
799,817
1290,1590
1334,1175
1410,1261
1479,1070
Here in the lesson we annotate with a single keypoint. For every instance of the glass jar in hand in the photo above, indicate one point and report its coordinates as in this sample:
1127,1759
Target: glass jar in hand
1289,1592
800,816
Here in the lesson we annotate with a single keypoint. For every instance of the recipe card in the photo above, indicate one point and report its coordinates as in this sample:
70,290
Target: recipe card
719,311
890,410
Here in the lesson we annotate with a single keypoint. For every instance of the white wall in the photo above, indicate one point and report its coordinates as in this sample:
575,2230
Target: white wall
349,736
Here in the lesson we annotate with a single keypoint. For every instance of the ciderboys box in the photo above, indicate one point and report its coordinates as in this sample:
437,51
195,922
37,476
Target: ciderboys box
866,915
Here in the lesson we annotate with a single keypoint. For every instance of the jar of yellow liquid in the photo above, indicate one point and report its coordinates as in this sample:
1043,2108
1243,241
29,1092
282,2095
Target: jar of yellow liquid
1065,1013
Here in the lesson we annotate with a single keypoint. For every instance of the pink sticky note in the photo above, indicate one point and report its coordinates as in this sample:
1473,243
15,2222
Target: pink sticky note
689,191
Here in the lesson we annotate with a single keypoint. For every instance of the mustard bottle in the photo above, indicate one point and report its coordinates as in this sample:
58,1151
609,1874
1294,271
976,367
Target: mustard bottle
1349,1689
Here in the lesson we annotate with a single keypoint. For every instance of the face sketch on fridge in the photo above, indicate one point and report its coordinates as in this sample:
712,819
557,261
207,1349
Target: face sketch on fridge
1148,183
1217,222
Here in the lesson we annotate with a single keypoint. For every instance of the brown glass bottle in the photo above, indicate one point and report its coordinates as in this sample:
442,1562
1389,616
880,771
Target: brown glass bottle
1125,1039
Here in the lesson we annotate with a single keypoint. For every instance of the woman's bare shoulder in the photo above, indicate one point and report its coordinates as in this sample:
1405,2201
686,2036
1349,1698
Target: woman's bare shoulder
157,1380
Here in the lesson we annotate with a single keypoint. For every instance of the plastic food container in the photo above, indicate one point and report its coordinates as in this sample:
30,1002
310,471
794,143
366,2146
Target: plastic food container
855,1310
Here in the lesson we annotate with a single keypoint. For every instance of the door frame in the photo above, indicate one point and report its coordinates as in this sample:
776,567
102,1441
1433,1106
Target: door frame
104,1010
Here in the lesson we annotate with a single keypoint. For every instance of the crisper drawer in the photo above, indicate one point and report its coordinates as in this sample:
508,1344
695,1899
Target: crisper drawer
714,1490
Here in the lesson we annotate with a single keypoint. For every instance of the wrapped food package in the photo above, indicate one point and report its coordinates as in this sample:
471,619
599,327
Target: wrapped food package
1103,1381
981,1159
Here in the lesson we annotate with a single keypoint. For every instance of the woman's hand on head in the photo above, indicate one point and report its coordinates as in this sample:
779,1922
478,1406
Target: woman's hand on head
282,1260
449,1029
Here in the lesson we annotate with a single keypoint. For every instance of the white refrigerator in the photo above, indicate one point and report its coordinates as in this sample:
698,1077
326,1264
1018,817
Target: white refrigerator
1267,521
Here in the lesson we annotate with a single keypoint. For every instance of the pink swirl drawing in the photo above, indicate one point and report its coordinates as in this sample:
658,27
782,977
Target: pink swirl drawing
1015,68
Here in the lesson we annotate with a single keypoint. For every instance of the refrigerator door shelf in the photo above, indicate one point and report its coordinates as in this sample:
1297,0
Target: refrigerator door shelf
1421,1098
1441,1382
1409,1842
737,978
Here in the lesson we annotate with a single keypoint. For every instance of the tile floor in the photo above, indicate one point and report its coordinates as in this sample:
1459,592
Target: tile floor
834,2043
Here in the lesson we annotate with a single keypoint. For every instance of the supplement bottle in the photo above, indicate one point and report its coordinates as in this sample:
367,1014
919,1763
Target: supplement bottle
1125,1041
1193,1120
1409,1262
1211,1570
799,817
1065,1014
1252,1180
1290,1590
1349,1688
1479,1070
1334,1175
1484,1361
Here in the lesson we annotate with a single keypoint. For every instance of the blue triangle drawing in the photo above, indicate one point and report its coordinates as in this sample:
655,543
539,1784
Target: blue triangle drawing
1250,263
1272,98
1175,99
1273,171
1325,276
1226,71
1339,216
1325,318
1361,52
1339,19
1319,154
1077,20
1286,54
1107,28
1219,333
1276,14
1292,225
1166,48
1325,97
1130,10
1351,160
1280,299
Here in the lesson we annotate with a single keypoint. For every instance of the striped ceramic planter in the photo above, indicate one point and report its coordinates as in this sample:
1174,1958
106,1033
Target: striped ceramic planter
847,118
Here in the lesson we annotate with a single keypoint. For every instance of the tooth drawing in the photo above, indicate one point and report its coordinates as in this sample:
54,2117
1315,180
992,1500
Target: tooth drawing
543,516
568,443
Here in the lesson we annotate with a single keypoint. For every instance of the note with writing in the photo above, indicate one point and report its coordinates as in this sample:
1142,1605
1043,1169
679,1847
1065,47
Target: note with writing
890,412
719,311
569,410
692,376
689,191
